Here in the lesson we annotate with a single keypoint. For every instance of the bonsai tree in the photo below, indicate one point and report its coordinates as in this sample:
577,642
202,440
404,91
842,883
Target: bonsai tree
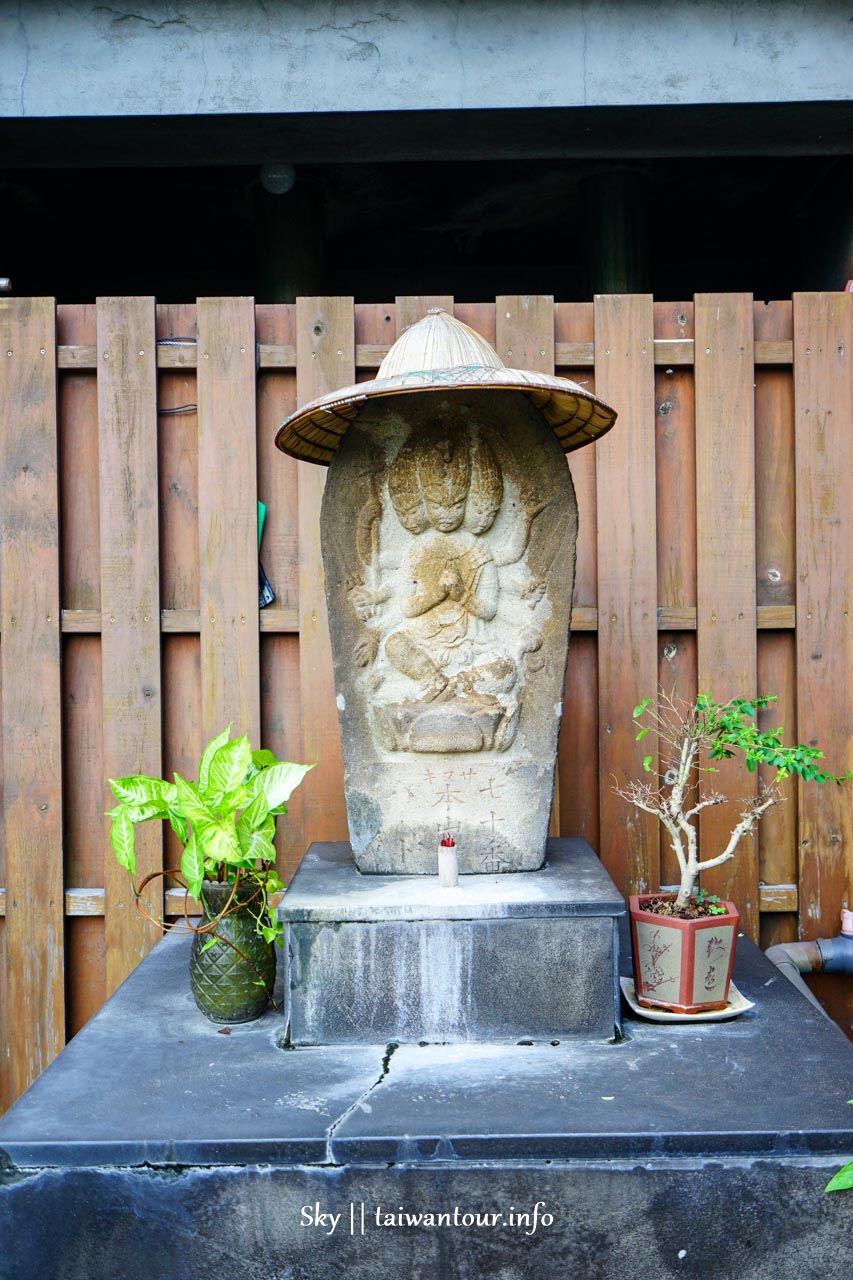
690,738
225,821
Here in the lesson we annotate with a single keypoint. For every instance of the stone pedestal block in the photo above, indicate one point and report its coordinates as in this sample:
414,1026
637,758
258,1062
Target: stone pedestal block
496,958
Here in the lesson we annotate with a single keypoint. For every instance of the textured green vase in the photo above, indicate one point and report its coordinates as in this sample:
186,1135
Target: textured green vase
225,987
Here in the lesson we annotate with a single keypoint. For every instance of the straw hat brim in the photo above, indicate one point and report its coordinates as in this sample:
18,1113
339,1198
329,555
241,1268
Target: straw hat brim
313,433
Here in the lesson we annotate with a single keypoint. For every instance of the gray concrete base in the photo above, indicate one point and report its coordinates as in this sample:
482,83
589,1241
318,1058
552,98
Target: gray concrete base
500,958
158,1148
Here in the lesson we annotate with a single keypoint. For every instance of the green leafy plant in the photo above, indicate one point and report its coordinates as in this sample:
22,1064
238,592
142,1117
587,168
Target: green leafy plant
225,821
690,736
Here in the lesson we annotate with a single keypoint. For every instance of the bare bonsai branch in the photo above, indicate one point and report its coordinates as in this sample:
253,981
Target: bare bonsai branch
692,736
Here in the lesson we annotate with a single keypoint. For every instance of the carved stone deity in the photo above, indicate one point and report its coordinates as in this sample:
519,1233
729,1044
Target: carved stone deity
448,531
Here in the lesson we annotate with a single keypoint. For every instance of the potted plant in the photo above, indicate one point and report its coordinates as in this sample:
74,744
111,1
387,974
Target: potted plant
684,943
226,823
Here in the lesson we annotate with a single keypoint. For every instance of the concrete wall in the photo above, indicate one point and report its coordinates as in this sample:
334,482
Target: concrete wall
206,58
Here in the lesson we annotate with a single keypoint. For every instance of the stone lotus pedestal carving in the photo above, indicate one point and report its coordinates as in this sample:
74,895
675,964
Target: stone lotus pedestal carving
448,531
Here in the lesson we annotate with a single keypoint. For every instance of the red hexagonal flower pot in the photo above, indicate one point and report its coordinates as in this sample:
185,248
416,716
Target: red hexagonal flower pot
682,965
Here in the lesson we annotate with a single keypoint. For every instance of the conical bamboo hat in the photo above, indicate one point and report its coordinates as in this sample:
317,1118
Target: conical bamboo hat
440,353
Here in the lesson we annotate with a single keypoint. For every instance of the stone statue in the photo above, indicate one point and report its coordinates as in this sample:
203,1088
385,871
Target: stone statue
448,530
464,662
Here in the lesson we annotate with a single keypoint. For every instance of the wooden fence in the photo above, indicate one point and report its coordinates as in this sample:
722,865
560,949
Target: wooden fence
715,551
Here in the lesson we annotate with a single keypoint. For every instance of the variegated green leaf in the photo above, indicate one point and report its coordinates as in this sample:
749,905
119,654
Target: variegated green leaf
228,767
192,867
256,845
121,839
208,754
278,782
254,817
178,825
139,790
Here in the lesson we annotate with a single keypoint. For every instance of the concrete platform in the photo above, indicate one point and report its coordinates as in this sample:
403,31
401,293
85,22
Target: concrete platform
528,955
157,1147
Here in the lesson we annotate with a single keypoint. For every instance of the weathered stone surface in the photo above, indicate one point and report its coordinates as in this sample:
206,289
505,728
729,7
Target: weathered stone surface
669,1147
496,958
448,527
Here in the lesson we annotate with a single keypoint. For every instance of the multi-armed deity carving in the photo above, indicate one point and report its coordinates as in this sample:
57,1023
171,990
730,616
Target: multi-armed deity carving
448,531
450,632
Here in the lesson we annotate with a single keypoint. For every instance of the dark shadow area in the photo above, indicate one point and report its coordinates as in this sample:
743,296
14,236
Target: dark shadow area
570,226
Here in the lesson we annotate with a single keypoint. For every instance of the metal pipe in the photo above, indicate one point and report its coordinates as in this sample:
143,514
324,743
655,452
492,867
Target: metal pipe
794,959
837,953
826,955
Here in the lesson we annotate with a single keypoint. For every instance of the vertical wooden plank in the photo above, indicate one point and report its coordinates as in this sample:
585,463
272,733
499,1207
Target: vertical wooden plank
325,360
575,322
228,517
775,516
86,966
80,572
577,763
180,665
775,553
130,603
776,664
823,385
85,796
281,725
577,760
725,570
177,445
32,733
524,339
479,316
675,465
281,718
627,577
524,331
414,308
277,486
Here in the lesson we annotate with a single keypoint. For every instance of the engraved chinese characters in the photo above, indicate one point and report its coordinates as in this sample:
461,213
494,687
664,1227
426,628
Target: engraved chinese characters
448,528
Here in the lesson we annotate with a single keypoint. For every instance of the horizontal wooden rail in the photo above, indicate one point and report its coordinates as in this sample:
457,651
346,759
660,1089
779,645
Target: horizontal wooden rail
90,902
177,621
567,355
770,617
